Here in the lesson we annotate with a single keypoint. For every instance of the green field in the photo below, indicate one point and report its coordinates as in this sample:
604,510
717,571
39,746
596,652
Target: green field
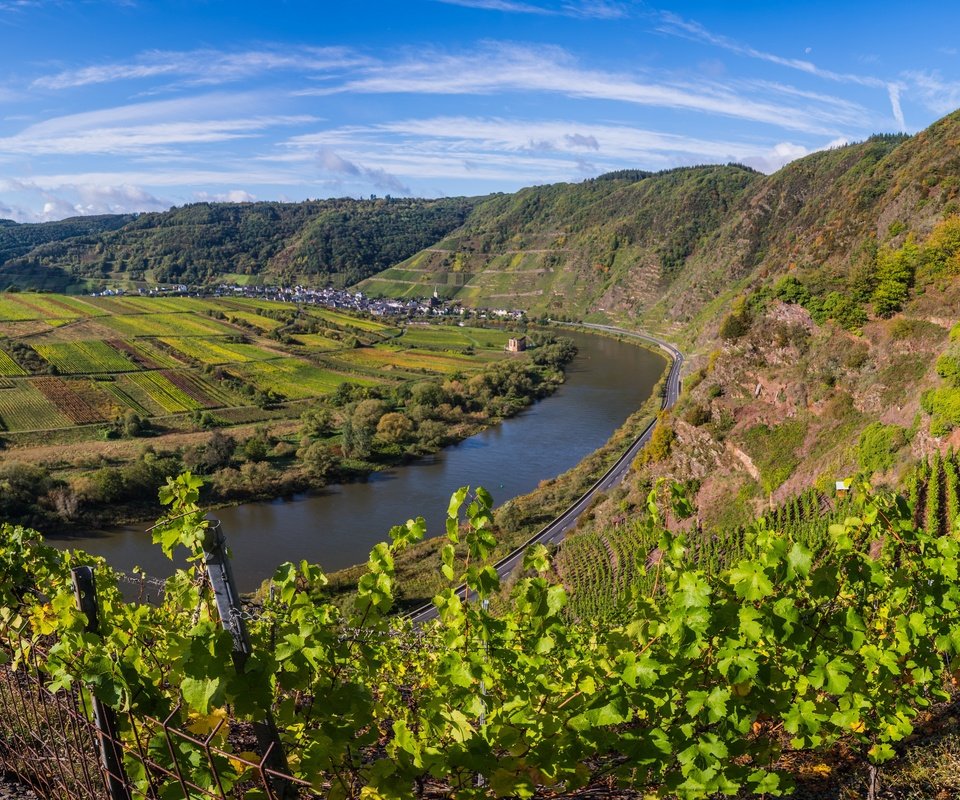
163,392
165,324
349,321
10,367
23,407
295,378
166,356
84,358
217,351
257,320
11,310
437,337
317,341
151,354
377,359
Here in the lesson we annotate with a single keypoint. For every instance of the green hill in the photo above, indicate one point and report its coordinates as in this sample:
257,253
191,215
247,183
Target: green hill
575,248
338,240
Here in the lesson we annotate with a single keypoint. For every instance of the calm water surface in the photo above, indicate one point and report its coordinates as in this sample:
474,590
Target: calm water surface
336,528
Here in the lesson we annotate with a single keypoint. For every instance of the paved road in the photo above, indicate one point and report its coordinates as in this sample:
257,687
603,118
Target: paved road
554,532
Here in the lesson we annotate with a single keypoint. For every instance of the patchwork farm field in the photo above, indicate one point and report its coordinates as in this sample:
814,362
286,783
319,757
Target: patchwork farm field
70,361
391,358
435,337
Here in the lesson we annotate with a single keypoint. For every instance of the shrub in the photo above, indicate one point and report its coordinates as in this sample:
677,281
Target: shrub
878,443
697,415
943,406
661,442
735,325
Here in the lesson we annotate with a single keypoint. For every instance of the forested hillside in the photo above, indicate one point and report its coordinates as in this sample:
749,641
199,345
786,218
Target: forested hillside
576,248
337,240
18,239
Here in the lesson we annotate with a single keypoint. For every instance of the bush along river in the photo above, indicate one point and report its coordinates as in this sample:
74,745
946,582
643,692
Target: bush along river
336,528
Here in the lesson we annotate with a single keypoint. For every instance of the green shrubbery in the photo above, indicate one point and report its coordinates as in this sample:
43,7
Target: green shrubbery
878,444
774,450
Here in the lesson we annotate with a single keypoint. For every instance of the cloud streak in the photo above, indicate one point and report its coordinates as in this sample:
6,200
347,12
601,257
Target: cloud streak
205,67
485,147
585,9
502,67
147,128
68,198
677,26
332,162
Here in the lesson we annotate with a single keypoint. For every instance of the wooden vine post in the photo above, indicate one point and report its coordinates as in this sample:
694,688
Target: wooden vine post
111,753
220,574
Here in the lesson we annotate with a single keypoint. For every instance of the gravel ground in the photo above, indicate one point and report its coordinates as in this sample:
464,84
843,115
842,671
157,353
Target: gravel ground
12,789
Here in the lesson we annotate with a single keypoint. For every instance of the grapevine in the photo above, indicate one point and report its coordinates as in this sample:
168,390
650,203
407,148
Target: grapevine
709,675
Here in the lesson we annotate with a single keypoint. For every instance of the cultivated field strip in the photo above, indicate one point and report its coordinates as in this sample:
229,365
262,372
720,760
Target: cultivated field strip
69,402
346,320
252,318
317,341
377,358
12,311
163,324
144,353
164,392
217,351
23,407
10,367
295,378
84,358
131,396
205,392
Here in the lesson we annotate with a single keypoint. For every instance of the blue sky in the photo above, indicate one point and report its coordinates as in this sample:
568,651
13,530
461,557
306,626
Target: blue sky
135,106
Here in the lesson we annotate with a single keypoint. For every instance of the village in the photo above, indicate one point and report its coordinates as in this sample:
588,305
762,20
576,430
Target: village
330,297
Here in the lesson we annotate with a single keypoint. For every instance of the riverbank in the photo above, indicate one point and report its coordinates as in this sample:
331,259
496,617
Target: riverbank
364,432
337,526
417,576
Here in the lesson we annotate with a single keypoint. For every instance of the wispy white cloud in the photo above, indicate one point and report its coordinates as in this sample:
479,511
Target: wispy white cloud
232,196
470,146
167,179
335,163
508,6
503,67
148,127
202,67
893,89
71,198
13,6
934,91
580,9
678,26
673,24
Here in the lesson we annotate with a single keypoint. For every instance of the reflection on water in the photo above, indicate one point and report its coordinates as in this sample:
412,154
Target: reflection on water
336,528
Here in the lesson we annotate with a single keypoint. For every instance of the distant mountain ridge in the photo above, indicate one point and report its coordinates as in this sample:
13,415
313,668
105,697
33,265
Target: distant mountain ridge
338,240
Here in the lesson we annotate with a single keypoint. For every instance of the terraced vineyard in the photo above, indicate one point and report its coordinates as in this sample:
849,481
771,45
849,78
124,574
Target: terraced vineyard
67,361
602,568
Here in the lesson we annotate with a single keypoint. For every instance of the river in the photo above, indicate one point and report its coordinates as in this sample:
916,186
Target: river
606,382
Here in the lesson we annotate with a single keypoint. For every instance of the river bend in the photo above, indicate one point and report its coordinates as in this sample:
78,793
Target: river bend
336,528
